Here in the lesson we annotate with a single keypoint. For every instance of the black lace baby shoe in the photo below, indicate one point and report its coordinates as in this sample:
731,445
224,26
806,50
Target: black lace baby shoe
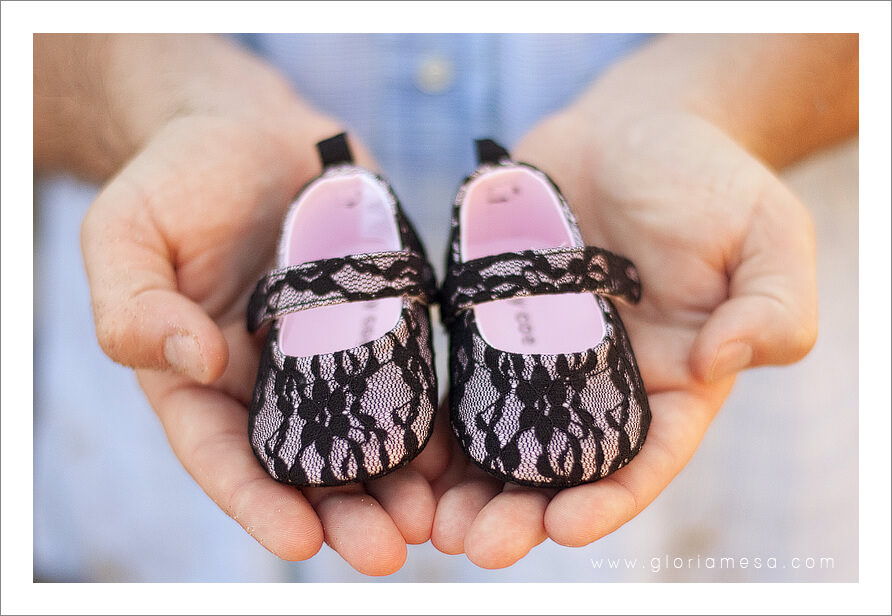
346,389
545,388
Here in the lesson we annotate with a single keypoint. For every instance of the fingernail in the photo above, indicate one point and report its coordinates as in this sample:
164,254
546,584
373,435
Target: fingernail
731,358
184,355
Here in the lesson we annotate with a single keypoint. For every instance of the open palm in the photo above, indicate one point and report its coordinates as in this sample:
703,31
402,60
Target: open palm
173,246
726,258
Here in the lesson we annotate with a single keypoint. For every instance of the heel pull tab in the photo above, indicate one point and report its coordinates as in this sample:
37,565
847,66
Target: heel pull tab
335,151
488,151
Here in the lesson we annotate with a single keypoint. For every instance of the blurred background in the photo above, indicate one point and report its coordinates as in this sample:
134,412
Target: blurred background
775,477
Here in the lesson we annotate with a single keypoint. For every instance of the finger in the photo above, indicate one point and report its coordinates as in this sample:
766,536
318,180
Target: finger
141,320
455,471
244,355
456,462
508,527
459,506
359,529
436,455
207,431
654,343
582,514
407,498
770,316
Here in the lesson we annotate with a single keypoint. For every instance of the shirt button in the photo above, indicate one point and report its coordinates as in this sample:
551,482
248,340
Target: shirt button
435,75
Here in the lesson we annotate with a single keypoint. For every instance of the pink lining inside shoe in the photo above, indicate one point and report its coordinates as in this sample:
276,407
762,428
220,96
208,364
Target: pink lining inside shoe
336,216
513,209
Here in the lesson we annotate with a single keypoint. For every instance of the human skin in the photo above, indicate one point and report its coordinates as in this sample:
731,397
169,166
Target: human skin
200,147
668,160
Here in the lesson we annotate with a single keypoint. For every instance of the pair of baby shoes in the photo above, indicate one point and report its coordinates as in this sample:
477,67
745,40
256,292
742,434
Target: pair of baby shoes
544,391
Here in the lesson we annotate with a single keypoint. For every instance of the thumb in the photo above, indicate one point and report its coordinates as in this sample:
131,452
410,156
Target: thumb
141,319
770,316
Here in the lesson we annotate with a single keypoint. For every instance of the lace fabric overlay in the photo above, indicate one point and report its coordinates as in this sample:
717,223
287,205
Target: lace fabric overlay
547,420
346,279
537,272
347,416
358,413
534,419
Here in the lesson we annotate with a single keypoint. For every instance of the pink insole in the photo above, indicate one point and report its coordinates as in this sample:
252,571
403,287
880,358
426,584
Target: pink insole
335,217
511,210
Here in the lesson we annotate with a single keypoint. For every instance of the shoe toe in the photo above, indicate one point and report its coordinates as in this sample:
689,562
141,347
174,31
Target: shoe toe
548,422
345,417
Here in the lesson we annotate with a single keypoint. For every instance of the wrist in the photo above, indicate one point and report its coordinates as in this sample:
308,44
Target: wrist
209,80
778,96
71,128
153,80
100,98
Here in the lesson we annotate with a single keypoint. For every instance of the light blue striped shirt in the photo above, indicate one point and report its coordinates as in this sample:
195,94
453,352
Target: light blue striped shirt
421,126
110,500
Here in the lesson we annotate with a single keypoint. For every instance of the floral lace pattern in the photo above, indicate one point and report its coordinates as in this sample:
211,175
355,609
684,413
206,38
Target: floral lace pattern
358,413
537,272
347,416
547,420
543,420
346,279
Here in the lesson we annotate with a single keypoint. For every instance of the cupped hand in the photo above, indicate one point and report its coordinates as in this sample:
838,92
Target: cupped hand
173,247
725,253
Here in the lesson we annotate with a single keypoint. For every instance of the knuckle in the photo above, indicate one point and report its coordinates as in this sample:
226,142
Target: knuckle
120,332
110,332
805,336
241,499
801,336
92,225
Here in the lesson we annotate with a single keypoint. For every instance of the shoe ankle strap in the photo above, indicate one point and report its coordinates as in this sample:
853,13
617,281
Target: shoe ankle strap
537,272
354,278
